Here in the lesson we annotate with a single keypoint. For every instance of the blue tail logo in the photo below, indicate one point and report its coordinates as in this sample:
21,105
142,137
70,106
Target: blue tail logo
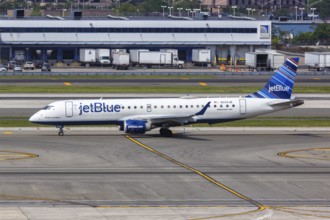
280,86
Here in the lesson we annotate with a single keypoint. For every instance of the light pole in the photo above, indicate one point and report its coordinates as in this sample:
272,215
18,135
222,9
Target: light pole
296,7
163,6
313,10
234,7
170,10
179,11
302,13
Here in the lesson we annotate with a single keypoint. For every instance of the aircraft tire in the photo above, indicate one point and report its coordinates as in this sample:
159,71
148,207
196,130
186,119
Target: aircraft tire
165,132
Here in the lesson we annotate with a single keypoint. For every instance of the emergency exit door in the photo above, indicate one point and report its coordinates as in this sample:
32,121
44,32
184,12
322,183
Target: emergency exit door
242,106
148,107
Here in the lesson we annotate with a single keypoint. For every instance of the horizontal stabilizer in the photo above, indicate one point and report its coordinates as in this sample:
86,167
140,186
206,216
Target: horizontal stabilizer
291,103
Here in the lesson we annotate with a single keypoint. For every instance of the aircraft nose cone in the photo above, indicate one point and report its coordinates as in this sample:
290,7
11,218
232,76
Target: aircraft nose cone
34,118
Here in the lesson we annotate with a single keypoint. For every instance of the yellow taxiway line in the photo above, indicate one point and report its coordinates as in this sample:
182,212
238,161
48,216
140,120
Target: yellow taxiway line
205,176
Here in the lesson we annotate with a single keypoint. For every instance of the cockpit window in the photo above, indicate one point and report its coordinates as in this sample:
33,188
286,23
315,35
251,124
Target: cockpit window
47,107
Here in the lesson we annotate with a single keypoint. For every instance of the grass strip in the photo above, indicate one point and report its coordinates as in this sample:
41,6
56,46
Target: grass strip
254,122
151,89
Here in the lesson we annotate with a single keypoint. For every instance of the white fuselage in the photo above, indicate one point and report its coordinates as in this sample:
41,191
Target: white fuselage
115,111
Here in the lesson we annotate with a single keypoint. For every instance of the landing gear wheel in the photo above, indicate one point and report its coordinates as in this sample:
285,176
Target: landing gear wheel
60,133
165,132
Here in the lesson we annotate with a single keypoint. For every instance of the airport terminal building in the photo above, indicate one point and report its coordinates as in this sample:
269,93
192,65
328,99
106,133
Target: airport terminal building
61,40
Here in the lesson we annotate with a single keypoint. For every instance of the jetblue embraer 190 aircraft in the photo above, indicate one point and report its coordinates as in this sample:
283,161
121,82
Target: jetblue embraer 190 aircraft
136,116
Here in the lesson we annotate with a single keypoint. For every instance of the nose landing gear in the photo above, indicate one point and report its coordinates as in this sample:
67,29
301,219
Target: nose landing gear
60,132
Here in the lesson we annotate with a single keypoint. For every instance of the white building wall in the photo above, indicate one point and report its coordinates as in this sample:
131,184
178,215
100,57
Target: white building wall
222,45
137,38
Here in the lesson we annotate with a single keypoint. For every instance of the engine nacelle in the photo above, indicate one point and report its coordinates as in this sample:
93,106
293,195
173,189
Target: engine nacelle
136,126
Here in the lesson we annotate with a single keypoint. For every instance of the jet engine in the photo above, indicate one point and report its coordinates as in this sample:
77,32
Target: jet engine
136,126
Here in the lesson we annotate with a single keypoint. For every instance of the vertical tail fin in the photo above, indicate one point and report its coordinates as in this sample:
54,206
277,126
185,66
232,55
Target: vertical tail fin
281,84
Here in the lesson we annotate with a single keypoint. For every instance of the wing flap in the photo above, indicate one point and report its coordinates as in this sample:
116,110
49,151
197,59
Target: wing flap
170,119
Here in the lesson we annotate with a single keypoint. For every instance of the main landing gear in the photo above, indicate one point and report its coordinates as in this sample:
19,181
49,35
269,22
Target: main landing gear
165,132
60,132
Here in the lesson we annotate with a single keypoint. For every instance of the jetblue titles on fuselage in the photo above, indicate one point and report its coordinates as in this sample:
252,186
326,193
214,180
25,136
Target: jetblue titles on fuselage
98,107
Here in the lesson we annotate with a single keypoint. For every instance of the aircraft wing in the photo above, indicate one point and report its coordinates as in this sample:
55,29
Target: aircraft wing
158,120
169,119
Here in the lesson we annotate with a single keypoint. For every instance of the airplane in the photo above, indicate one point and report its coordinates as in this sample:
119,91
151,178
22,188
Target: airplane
137,116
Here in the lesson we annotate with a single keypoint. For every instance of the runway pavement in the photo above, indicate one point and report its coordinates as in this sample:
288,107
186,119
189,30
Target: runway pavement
198,174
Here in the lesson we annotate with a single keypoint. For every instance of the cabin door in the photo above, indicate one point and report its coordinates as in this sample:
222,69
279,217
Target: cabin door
68,109
242,106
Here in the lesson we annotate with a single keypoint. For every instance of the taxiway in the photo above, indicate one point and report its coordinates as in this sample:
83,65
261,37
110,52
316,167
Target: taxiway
198,174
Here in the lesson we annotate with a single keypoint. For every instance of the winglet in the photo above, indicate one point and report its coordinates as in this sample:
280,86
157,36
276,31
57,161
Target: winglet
201,112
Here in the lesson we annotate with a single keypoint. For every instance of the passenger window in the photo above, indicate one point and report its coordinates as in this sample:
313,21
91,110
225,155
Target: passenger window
141,107
180,106
162,106
123,107
129,107
155,106
168,106
197,106
186,106
174,106
134,107
227,106
233,106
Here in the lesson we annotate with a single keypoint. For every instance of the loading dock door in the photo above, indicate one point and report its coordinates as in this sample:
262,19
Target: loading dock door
68,109
242,106
162,59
